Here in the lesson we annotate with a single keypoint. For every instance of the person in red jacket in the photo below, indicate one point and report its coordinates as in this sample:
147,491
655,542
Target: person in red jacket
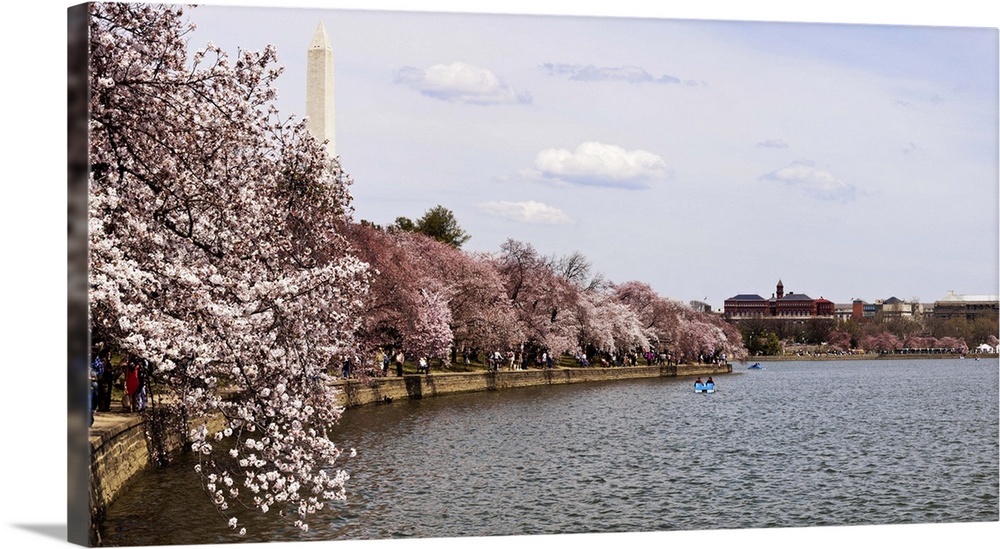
131,385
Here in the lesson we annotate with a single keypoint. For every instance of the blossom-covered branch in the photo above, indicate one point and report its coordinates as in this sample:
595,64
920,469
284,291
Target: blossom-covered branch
216,254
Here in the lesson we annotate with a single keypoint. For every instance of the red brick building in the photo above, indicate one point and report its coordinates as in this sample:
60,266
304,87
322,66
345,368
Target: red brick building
780,305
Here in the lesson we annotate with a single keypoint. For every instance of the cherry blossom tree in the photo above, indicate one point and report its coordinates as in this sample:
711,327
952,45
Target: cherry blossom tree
215,254
684,332
659,316
576,268
700,336
839,340
394,299
429,297
544,302
609,325
481,316
956,344
882,342
920,342
431,335
701,339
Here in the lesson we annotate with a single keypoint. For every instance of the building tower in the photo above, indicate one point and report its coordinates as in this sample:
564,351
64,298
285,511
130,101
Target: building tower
780,289
319,90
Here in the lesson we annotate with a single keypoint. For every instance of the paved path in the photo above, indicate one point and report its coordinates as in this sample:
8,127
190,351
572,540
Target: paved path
108,424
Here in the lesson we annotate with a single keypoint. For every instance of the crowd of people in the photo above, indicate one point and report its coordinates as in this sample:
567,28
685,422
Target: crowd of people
388,362
384,364
131,374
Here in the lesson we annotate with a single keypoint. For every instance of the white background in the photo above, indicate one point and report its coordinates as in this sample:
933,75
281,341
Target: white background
34,283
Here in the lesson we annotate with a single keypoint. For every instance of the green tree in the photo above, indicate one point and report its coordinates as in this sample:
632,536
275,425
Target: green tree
438,223
771,345
759,338
853,329
980,331
405,224
817,330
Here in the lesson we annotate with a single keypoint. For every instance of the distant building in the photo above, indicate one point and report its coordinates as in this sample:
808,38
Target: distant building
843,311
794,305
860,310
885,308
967,306
746,306
779,305
897,308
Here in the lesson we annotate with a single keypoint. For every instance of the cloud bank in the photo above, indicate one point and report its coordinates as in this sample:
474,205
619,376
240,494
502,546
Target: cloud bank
807,178
630,74
527,212
600,165
461,83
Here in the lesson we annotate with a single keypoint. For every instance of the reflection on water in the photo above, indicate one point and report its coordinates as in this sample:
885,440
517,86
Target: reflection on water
796,444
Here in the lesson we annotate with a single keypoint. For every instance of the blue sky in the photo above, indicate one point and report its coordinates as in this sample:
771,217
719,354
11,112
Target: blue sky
707,158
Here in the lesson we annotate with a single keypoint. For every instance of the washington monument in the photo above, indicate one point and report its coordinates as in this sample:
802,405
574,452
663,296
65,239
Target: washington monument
319,90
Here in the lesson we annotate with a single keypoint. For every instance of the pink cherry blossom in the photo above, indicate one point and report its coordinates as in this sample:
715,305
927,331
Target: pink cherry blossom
216,250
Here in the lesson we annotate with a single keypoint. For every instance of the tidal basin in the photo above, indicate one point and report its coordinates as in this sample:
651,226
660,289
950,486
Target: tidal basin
795,444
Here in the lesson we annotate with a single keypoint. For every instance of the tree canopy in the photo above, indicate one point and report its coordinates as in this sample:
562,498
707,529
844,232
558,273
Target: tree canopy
216,255
438,223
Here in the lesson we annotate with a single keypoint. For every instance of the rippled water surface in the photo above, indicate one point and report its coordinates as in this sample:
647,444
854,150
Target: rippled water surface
795,444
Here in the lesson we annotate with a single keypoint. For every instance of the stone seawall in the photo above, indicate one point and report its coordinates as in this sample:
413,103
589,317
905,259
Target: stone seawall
119,451
379,390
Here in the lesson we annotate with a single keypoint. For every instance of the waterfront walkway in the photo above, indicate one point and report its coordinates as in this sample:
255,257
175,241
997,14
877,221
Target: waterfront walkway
109,424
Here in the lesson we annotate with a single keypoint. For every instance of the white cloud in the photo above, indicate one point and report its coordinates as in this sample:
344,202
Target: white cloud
591,73
462,83
630,73
772,144
528,212
602,165
813,181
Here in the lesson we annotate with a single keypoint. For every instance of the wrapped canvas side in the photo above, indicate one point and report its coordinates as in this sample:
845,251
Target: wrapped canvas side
79,524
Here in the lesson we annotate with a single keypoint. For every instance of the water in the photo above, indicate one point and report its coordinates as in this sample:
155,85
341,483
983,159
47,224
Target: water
795,444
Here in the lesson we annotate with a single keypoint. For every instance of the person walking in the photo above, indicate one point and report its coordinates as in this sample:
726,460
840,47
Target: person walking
96,372
400,357
105,381
346,367
142,392
382,361
129,400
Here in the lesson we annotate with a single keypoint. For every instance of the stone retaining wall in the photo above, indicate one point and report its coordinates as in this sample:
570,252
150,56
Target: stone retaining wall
119,450
117,453
378,390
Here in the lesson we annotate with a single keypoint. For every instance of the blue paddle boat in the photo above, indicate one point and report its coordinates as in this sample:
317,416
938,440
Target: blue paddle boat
704,387
755,366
